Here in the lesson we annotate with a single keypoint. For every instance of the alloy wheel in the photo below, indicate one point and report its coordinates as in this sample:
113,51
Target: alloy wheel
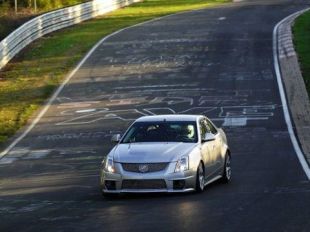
228,168
201,177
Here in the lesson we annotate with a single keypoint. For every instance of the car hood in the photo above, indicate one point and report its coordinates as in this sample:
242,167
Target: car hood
151,152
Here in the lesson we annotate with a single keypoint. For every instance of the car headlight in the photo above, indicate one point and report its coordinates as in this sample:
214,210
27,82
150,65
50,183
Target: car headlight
182,164
109,165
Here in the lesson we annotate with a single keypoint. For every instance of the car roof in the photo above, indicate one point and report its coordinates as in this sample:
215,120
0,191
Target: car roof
169,117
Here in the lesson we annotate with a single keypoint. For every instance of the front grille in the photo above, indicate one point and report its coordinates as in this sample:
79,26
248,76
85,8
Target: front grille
144,184
151,167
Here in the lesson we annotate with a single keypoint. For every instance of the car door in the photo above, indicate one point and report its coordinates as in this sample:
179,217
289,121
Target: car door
207,151
217,146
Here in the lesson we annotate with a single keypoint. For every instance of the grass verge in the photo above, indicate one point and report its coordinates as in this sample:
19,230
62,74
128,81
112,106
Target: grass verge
301,32
28,80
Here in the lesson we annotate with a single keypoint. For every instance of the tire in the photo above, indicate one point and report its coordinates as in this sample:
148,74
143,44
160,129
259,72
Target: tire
200,179
226,176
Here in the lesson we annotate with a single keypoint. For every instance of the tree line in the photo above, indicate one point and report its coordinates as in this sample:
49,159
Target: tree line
40,4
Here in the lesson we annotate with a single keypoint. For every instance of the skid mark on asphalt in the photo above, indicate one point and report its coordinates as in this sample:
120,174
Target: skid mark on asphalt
61,218
26,154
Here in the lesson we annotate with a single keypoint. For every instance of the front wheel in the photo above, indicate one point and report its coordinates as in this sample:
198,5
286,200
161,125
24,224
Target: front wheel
226,176
200,179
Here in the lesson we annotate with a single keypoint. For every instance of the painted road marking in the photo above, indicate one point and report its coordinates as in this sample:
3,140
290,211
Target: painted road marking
229,122
18,152
155,86
255,112
7,160
85,111
38,154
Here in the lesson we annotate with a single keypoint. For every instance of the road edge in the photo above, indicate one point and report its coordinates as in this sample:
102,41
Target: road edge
291,91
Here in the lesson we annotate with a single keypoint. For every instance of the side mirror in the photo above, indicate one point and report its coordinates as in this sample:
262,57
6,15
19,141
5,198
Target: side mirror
116,138
208,137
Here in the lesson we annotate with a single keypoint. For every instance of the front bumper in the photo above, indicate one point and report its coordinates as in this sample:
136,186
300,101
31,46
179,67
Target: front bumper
162,181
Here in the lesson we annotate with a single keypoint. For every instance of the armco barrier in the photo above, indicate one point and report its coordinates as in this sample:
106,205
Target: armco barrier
53,21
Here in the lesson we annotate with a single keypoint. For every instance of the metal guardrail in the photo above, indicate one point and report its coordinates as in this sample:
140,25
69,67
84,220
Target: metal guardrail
52,21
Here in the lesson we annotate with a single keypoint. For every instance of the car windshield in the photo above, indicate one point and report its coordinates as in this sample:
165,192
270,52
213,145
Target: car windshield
161,132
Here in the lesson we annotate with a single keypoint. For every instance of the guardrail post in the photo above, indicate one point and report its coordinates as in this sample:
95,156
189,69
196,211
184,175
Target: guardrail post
15,2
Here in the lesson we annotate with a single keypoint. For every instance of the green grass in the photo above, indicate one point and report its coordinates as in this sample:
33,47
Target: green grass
27,81
301,32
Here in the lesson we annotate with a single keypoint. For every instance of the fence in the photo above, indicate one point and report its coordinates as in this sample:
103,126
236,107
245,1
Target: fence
53,21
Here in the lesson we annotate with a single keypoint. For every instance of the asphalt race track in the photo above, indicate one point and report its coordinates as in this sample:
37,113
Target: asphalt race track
217,62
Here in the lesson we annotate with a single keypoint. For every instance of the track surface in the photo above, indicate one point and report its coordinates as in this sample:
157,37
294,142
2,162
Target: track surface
215,61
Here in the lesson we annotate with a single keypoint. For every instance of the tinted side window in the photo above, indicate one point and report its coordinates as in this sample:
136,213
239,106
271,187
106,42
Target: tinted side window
211,127
203,128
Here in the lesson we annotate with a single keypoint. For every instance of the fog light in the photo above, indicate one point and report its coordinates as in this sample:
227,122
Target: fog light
178,184
110,184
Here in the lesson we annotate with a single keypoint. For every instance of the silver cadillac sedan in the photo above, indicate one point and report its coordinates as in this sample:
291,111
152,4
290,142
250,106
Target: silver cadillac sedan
166,153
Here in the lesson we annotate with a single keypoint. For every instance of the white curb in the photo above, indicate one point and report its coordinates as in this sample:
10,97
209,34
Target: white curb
287,117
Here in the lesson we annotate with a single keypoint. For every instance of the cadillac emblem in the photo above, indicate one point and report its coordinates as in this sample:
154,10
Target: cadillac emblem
143,168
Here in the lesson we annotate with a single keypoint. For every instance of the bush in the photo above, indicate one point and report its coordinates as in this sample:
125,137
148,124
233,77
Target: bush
42,5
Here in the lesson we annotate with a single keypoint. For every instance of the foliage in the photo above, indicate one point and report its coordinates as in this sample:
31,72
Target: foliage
9,21
301,32
41,4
